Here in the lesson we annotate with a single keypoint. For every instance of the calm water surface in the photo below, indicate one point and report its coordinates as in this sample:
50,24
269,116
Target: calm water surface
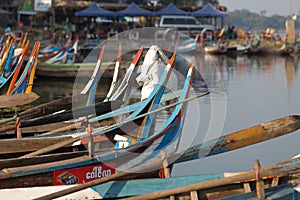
245,91
257,89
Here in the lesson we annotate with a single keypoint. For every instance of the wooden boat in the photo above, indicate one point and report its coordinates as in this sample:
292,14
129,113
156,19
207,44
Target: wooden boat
20,92
61,62
162,187
6,53
189,45
7,74
8,131
13,148
285,49
89,90
216,49
167,133
86,95
65,65
100,108
35,171
71,70
236,184
59,55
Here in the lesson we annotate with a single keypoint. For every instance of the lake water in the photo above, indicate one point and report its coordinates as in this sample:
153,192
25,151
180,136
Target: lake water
244,91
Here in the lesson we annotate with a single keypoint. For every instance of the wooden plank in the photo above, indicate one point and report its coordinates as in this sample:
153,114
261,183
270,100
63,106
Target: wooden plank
194,195
260,190
28,144
275,182
247,187
166,170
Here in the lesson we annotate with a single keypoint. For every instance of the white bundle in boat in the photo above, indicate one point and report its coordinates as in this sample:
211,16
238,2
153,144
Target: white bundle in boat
149,72
123,142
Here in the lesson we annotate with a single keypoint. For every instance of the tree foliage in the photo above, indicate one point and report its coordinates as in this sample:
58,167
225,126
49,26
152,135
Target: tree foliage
246,20
176,2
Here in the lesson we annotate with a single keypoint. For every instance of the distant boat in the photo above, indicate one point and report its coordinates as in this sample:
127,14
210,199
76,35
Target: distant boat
20,91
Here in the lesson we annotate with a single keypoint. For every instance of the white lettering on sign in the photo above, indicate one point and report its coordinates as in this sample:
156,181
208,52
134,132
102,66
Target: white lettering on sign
97,172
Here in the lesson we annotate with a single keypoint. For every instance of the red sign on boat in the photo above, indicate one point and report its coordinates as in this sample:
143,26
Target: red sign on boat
82,174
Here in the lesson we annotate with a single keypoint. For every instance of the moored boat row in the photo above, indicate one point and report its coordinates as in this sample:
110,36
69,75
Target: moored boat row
116,139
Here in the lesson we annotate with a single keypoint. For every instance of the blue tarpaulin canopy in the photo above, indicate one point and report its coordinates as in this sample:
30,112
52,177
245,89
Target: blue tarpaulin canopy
134,10
94,11
209,11
171,9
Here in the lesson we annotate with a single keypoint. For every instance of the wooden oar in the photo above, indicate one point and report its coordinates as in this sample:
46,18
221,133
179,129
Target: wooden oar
275,128
62,144
115,76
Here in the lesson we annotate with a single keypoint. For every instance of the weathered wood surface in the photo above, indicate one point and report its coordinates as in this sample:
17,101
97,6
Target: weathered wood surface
267,131
268,171
13,100
246,137
27,144
73,70
291,166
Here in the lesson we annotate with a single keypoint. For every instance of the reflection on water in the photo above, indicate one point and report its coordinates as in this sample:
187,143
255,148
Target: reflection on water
258,89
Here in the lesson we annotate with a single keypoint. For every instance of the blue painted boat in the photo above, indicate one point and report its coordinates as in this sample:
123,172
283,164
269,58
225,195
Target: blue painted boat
167,134
43,164
221,186
89,90
20,92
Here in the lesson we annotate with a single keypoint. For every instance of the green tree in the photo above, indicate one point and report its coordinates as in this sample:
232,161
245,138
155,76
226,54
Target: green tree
213,2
